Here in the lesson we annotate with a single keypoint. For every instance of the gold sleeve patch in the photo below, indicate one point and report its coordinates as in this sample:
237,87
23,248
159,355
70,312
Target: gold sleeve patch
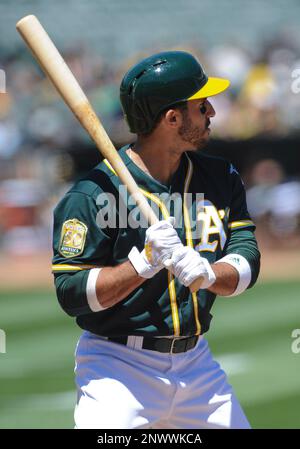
72,240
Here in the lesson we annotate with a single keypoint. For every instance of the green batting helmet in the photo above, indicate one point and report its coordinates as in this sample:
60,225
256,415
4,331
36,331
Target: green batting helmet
159,82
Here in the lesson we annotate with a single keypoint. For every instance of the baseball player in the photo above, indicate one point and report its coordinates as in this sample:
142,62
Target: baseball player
142,360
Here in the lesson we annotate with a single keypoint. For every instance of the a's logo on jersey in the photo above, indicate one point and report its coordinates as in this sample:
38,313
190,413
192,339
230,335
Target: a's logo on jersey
211,226
72,240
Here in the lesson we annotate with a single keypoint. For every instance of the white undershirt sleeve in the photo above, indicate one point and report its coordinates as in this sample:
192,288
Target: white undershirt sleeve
91,290
243,268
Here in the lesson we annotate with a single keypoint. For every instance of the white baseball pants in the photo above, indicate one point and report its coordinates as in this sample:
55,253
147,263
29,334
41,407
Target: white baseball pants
120,387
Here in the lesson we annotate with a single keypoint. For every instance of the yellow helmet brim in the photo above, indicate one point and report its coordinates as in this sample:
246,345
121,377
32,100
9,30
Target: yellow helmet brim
214,86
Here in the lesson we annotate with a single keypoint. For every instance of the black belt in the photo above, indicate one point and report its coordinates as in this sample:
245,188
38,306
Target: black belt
172,345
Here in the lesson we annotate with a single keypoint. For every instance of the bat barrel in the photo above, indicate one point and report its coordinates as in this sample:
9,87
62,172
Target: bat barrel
50,60
64,81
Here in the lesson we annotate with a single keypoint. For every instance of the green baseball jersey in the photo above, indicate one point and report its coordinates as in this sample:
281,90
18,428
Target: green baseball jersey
96,224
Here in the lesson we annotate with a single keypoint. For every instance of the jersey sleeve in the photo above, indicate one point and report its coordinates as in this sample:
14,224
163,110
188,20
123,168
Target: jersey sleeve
241,238
239,217
242,241
79,245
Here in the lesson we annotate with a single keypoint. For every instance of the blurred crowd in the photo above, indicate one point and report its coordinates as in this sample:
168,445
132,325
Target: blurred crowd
263,98
37,133
273,200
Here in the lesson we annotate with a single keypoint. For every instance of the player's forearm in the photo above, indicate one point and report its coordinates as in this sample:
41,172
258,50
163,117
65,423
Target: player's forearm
86,291
227,279
115,283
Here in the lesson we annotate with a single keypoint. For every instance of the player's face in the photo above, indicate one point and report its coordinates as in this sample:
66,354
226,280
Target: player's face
195,123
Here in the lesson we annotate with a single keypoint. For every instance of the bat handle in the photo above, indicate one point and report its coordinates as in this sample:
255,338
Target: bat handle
195,286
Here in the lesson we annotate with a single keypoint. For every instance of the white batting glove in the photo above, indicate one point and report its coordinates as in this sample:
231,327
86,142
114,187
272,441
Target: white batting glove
160,242
188,265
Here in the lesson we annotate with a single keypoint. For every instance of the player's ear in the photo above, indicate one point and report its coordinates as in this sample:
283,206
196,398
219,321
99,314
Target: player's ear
173,118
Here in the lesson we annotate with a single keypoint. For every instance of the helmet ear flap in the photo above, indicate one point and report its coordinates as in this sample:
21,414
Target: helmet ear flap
144,115
142,121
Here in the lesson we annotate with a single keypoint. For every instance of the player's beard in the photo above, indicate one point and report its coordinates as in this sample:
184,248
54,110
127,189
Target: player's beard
193,134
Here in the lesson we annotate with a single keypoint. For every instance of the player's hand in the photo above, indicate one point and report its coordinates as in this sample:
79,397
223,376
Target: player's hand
188,265
160,242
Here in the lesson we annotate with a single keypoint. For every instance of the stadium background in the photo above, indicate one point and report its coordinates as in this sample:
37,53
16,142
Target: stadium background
42,150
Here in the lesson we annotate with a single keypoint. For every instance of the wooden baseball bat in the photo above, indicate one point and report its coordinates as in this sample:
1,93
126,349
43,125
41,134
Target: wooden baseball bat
64,81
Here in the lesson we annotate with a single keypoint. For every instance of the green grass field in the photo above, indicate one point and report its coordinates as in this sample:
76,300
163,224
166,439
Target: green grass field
250,337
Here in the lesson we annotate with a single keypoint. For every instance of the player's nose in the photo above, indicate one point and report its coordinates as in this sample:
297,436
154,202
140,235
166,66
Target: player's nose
210,109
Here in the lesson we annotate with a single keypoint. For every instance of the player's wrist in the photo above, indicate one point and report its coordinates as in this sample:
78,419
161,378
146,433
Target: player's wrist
141,264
